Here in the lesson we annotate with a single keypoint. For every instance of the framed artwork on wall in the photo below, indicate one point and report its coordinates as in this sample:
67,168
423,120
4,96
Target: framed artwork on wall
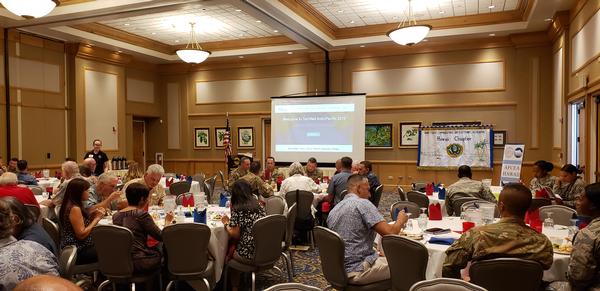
202,138
499,138
245,137
379,136
220,136
409,134
158,159
457,123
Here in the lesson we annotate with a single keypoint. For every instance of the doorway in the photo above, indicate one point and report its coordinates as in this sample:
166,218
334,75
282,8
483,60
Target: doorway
139,142
266,133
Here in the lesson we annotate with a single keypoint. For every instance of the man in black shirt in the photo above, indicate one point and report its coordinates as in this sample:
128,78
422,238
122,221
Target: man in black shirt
99,156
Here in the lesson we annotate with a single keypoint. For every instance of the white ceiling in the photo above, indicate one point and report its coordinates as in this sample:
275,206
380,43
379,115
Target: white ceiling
213,23
353,13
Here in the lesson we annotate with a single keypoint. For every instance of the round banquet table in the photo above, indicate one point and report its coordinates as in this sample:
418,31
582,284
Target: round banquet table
437,252
44,210
217,245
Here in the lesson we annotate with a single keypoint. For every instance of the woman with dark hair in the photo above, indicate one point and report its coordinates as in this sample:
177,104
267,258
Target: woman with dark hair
26,228
141,224
569,185
541,177
76,223
245,210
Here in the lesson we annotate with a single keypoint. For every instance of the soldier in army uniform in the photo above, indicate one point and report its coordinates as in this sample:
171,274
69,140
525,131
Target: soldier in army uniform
509,238
239,172
468,186
271,173
259,187
311,169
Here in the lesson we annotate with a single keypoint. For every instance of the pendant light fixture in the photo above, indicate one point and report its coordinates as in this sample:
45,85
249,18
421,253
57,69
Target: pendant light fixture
30,8
408,32
193,52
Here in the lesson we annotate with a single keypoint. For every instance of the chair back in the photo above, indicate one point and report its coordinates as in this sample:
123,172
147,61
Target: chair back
475,205
206,187
291,221
178,188
417,197
35,211
376,196
170,175
343,194
66,261
413,208
303,201
331,251
268,233
211,183
37,190
185,260
114,244
406,258
401,194
419,186
52,229
222,176
445,284
560,214
537,203
199,177
179,198
274,205
292,287
506,274
458,203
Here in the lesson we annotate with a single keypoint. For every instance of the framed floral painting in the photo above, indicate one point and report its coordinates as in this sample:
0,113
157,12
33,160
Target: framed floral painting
245,137
409,134
202,138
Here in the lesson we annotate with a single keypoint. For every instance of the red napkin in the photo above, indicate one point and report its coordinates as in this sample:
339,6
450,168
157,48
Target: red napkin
435,211
325,207
168,182
429,189
541,193
532,218
187,201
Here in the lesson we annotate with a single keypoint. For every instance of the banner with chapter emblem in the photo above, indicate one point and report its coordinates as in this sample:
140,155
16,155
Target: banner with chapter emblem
454,146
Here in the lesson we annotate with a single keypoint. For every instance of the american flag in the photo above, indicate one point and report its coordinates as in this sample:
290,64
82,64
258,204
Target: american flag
226,141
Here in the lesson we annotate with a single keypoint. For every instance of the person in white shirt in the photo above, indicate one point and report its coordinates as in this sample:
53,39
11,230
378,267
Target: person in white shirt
298,180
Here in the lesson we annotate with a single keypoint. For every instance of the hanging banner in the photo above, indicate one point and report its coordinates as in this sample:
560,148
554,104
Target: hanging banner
511,163
452,147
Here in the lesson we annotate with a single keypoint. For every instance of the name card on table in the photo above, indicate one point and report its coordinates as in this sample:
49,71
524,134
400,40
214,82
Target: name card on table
511,163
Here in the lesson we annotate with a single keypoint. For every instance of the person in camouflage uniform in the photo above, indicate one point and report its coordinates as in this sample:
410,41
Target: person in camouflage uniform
569,185
239,172
542,178
509,238
312,171
468,186
271,173
259,187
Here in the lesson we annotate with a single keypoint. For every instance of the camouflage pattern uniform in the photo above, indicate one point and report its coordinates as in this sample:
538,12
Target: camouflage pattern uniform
468,186
584,271
235,175
509,238
317,174
569,192
547,183
156,194
274,175
258,185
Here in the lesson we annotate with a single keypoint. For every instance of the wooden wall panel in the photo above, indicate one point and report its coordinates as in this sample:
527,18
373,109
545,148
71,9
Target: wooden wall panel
257,89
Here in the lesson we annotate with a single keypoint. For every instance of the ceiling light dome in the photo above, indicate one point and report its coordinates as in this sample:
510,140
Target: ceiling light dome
408,32
30,8
193,52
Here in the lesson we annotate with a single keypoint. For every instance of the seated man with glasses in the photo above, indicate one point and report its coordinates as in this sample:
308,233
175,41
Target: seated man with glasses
103,193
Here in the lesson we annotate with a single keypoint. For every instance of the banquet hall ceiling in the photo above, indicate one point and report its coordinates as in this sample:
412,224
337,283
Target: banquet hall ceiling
154,29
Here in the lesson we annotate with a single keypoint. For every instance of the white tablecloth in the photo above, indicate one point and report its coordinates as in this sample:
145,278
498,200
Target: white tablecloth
44,210
194,188
437,252
47,182
217,245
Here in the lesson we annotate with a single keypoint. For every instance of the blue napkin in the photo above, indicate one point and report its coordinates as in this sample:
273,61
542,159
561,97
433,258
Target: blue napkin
223,199
189,179
200,216
442,194
441,240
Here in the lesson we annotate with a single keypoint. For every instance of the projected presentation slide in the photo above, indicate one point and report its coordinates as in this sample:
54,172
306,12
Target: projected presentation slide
325,127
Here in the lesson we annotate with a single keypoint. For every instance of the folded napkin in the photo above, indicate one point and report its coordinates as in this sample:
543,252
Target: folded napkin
441,240
435,211
429,189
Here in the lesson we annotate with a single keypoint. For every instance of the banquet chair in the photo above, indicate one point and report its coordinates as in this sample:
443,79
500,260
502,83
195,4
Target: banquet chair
419,198
419,186
209,187
537,203
199,177
560,214
458,203
376,196
413,208
179,198
223,183
331,251
274,205
445,284
289,235
292,287
186,262
475,204
343,194
304,218
68,269
267,249
506,274
52,229
401,193
114,245
179,188
407,260
35,211
37,190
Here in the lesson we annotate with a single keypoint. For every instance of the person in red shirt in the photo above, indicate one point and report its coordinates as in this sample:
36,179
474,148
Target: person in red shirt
9,187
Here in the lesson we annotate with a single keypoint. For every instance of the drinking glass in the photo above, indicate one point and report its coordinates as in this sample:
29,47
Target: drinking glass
409,223
548,222
169,203
422,220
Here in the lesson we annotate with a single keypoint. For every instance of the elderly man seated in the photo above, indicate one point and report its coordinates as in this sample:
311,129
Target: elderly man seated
357,221
467,185
70,171
239,172
8,187
152,180
103,194
508,238
297,181
257,184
